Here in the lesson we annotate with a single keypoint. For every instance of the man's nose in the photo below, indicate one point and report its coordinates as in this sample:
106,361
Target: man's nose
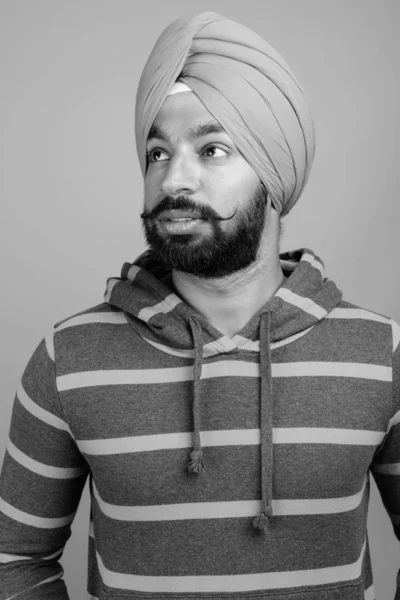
180,177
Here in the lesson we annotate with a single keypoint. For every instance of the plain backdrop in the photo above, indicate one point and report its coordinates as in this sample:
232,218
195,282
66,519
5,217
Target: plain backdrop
71,188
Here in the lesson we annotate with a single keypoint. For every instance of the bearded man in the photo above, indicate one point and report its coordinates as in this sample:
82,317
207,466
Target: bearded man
226,403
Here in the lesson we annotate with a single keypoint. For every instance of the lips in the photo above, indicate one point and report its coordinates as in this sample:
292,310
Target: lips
172,215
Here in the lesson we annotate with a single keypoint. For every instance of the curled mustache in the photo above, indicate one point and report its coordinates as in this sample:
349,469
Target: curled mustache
183,203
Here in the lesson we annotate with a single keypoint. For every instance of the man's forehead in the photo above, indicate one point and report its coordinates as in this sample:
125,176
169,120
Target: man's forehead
183,115
190,133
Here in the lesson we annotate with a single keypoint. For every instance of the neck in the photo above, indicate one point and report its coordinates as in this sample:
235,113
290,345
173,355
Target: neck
230,302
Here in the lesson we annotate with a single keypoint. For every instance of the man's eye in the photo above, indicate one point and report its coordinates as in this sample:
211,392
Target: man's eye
156,155
214,152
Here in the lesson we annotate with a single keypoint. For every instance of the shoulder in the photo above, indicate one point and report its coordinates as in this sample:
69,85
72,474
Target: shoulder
85,330
383,326
99,313
349,310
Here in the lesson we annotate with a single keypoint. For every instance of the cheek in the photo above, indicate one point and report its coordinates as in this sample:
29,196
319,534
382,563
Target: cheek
237,190
222,183
239,181
151,189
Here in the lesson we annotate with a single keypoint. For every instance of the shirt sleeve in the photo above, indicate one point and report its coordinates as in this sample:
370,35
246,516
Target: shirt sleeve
41,482
386,464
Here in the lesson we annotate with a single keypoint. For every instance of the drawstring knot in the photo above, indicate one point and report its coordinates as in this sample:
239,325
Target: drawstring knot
196,464
261,521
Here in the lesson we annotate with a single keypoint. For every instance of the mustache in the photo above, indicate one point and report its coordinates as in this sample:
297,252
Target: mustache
184,203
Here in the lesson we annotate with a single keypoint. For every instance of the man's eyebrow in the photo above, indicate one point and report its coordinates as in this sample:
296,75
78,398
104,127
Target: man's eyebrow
157,132
206,129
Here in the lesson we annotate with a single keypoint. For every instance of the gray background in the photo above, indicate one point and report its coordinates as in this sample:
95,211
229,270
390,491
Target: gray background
71,189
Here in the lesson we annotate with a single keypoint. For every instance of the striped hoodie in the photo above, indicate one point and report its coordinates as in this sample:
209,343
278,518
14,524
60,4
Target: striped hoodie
218,467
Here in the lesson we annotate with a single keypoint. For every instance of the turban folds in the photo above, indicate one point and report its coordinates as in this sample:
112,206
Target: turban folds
247,86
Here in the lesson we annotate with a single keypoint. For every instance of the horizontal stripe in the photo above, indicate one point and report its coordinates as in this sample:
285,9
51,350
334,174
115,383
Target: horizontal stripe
6,558
325,435
164,307
42,469
395,420
386,468
332,369
231,583
107,318
396,335
313,262
232,437
305,304
34,521
111,283
48,580
356,313
222,369
133,271
369,593
123,377
90,597
227,510
39,412
169,441
318,506
49,341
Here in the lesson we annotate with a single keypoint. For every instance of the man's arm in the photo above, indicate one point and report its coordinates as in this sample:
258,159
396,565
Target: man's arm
41,484
386,466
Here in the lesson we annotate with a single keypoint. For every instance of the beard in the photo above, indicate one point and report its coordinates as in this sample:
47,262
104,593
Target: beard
211,255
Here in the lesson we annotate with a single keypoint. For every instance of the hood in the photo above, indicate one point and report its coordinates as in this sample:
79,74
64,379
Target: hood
145,293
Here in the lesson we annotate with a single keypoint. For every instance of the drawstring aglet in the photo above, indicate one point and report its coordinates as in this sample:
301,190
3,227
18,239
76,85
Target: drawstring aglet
196,464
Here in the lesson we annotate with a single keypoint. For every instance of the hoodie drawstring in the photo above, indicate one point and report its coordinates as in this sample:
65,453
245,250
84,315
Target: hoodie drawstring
266,424
196,464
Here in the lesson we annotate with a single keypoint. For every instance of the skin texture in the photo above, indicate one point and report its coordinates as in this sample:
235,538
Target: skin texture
207,174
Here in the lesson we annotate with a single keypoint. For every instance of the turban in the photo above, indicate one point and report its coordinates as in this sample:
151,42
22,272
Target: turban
248,88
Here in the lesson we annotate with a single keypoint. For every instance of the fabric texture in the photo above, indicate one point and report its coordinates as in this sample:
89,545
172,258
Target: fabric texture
247,86
289,418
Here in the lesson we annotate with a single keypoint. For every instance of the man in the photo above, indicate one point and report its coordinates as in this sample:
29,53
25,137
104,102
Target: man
226,403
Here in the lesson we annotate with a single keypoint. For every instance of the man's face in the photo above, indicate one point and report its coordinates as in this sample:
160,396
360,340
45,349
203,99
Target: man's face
204,206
